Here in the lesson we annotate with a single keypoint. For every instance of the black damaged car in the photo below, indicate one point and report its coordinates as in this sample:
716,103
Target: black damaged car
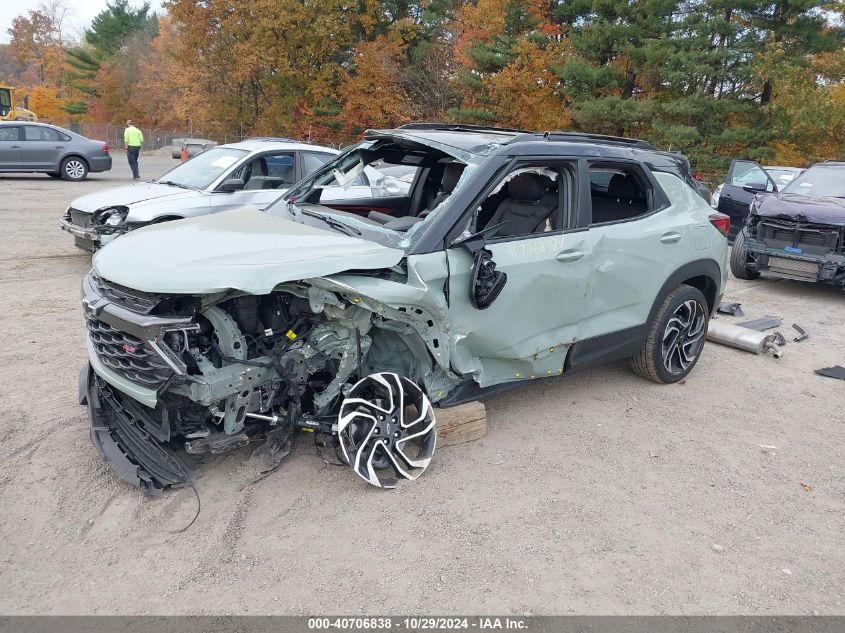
797,233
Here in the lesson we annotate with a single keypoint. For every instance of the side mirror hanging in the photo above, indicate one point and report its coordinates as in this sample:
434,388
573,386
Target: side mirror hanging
485,281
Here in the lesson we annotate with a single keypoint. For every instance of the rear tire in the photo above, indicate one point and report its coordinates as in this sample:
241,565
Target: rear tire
74,169
676,337
740,259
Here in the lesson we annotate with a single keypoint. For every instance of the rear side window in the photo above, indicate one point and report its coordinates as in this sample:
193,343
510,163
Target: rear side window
618,193
312,161
33,133
9,133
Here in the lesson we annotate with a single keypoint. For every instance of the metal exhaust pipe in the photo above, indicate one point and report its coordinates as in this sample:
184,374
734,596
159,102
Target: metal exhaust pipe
743,338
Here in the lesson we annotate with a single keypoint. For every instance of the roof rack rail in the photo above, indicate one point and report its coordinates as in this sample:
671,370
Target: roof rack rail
597,138
462,127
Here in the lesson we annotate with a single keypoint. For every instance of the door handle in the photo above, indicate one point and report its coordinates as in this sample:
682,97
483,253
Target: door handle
569,256
15,147
59,147
727,196
670,238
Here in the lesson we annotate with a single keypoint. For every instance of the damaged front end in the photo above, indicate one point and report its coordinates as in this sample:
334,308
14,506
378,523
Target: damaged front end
796,248
176,377
92,231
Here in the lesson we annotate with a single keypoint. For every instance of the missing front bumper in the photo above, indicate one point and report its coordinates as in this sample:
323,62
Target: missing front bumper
135,456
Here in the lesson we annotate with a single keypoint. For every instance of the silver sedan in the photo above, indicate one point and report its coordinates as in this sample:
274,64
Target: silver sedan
55,151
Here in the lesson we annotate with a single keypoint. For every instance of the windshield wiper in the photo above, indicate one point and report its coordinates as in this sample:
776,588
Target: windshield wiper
335,224
175,184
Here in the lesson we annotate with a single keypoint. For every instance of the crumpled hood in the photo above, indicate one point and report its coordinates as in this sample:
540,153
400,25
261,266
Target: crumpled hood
792,205
245,250
131,194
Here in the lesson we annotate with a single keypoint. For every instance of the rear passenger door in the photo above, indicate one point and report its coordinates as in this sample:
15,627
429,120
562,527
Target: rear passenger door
636,240
41,148
10,147
734,199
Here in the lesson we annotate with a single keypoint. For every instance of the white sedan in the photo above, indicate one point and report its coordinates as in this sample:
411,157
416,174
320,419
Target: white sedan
252,173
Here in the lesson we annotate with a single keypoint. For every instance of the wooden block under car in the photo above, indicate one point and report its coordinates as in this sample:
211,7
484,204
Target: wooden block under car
462,423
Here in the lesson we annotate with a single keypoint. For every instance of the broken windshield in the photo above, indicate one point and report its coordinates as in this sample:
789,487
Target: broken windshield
364,208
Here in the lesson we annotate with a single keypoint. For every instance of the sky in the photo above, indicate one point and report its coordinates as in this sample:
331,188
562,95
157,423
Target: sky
81,13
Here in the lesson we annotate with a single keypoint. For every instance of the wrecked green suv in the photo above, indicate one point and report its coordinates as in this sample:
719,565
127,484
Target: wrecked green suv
513,257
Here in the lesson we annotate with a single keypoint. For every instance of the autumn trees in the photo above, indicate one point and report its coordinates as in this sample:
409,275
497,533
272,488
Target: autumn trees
712,78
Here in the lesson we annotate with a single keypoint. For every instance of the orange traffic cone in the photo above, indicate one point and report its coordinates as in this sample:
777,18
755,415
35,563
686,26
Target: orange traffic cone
184,154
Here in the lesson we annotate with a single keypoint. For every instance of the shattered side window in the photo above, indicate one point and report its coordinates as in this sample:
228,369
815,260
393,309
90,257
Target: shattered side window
412,234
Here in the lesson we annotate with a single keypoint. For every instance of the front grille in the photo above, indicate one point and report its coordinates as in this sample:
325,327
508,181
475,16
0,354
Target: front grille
794,267
136,301
813,238
88,245
127,355
81,218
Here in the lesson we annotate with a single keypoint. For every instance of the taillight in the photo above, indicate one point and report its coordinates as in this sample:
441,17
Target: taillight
105,148
722,223
695,176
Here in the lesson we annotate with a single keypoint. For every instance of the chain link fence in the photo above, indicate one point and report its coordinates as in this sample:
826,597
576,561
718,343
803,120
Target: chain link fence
154,138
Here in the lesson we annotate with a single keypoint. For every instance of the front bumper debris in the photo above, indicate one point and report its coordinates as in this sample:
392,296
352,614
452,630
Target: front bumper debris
79,231
117,433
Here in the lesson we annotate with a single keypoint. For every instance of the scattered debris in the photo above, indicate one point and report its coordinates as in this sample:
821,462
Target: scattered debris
788,572
802,333
837,371
807,487
730,308
762,324
717,548
769,446
749,340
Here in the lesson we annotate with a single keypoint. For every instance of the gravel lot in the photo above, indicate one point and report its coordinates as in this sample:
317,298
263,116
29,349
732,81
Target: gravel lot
592,493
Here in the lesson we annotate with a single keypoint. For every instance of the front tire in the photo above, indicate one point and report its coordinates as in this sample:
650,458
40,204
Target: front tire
740,259
74,169
676,337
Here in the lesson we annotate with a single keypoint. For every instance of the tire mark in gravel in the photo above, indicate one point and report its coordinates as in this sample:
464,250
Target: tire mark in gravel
23,258
222,549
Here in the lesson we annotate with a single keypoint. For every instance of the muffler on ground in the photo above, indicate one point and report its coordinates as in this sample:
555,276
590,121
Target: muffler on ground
743,338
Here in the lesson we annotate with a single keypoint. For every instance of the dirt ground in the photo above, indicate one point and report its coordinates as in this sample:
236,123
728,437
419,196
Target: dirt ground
595,492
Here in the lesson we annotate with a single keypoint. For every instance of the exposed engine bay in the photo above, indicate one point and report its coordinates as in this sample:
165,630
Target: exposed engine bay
224,371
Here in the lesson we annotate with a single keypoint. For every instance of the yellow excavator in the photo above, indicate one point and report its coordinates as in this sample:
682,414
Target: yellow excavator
9,111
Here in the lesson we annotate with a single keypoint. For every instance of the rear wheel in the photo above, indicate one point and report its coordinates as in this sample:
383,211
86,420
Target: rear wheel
675,338
741,260
74,168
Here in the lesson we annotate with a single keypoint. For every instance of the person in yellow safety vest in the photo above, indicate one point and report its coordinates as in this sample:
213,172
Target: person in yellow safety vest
134,139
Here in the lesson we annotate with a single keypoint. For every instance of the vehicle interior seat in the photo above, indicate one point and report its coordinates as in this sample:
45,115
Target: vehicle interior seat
271,174
451,175
257,173
448,181
524,211
623,200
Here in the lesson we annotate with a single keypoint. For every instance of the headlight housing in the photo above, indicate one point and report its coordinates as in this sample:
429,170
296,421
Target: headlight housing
111,217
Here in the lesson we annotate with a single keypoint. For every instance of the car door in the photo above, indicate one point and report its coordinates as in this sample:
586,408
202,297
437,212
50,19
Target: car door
10,147
744,179
637,239
526,331
41,148
266,178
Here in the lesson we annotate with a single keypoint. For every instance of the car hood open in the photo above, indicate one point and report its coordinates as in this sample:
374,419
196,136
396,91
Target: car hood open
244,250
131,194
796,206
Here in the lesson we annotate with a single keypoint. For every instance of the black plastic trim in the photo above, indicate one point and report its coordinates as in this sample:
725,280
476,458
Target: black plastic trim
607,347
